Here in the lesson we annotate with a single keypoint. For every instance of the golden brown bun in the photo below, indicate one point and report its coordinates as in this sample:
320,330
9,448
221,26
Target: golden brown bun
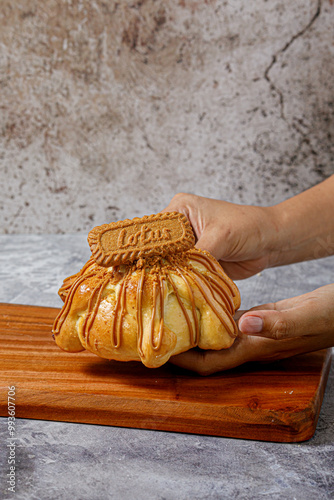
149,310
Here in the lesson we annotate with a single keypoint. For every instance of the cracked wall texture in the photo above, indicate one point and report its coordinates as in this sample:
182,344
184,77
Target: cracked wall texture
109,108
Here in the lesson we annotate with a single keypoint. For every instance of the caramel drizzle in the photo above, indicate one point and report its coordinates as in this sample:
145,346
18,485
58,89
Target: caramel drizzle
91,315
139,311
155,346
88,264
235,328
193,338
153,313
214,287
211,304
88,314
117,321
162,312
203,259
223,294
64,311
190,326
155,295
118,318
68,282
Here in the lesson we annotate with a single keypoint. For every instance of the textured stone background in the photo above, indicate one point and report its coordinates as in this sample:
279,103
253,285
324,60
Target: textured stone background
109,108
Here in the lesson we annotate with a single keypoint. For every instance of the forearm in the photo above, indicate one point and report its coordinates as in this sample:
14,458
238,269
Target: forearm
304,226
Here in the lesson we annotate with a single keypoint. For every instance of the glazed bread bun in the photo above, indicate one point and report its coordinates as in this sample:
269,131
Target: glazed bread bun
149,309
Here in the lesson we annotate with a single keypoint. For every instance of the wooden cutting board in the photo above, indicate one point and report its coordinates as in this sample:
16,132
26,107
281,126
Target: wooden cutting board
277,402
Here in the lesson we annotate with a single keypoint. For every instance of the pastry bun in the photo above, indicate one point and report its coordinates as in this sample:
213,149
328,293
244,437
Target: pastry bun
149,308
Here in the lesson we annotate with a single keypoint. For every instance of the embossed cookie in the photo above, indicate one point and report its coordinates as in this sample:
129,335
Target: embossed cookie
125,241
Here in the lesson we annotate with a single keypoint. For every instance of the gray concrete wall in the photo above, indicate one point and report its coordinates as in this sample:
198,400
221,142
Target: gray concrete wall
108,108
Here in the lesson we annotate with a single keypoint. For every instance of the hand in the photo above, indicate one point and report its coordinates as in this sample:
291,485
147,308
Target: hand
241,237
271,332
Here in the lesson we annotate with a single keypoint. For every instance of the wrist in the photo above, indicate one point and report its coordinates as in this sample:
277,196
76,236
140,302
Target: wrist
304,225
274,235
290,231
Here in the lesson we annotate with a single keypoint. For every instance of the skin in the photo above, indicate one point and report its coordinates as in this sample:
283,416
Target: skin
248,239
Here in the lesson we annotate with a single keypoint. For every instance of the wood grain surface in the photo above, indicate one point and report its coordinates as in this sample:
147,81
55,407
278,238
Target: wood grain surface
279,402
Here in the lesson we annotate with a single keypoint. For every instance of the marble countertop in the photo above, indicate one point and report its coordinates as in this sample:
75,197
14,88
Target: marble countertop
63,460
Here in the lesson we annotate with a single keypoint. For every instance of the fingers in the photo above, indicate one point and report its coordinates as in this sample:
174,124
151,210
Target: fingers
207,362
186,204
210,243
178,204
194,208
292,318
271,332
195,361
278,325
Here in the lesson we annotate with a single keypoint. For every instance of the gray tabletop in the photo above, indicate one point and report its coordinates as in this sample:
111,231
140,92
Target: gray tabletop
56,460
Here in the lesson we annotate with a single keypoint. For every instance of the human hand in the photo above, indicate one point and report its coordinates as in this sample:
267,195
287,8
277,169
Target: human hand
241,237
289,327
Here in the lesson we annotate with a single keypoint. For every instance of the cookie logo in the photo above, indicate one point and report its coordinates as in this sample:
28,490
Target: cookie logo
126,241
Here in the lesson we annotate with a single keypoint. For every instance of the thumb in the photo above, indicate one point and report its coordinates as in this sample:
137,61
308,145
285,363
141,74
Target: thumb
208,241
277,325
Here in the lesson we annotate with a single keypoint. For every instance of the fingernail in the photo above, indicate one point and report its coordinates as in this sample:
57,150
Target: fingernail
251,324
